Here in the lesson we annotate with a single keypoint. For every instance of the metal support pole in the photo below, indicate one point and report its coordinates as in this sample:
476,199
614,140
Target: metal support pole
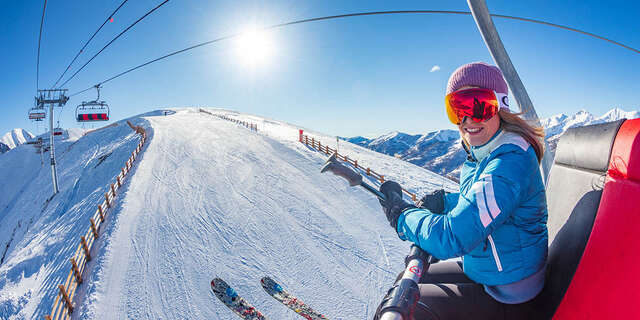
491,38
54,173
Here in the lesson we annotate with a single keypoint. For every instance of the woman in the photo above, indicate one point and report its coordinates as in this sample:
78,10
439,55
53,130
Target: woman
496,223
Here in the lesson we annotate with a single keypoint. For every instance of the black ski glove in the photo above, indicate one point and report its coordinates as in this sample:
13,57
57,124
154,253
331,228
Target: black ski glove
433,201
394,205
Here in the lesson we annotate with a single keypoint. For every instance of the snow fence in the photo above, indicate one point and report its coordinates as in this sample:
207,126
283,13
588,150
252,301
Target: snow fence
63,304
317,145
249,125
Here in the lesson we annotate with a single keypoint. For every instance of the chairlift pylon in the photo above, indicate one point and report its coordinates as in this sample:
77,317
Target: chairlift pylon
96,110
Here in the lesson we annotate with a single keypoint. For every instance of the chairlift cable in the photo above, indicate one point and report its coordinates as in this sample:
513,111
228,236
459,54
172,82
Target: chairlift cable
355,15
87,43
44,8
114,39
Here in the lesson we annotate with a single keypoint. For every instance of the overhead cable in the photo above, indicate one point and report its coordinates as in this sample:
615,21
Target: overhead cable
355,15
114,39
44,8
87,43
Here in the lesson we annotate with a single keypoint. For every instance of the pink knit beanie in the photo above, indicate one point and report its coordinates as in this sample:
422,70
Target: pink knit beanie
478,74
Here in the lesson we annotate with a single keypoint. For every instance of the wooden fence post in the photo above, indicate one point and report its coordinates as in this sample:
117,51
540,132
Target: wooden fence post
381,178
76,270
93,228
66,298
368,171
106,197
85,247
113,190
356,164
119,183
101,213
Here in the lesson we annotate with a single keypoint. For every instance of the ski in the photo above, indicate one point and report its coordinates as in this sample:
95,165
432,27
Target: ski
275,290
237,304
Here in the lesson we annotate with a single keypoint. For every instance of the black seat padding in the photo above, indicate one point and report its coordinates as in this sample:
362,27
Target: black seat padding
587,148
573,192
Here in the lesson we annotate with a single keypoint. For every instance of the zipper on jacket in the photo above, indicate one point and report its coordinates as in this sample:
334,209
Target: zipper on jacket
495,253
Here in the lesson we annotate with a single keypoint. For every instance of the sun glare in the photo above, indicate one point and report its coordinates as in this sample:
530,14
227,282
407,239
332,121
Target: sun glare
254,47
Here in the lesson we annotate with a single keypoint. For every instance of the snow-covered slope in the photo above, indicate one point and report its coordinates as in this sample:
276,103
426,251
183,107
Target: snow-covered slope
15,138
38,234
207,198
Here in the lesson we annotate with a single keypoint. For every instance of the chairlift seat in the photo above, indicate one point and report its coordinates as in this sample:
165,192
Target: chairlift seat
85,117
593,196
37,115
92,111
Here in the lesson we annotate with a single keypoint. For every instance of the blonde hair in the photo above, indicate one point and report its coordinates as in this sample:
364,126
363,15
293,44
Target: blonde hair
513,123
534,135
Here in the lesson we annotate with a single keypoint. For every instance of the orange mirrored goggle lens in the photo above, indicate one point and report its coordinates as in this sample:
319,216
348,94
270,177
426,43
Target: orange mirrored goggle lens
477,103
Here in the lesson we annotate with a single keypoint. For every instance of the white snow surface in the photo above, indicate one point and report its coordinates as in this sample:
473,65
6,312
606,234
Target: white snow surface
16,137
206,198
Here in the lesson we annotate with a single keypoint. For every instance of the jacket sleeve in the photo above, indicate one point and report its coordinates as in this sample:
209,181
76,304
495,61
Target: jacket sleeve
479,210
450,201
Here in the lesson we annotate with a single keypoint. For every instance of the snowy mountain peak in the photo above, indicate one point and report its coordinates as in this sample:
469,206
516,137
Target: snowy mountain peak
617,113
389,136
16,137
395,137
446,135
581,116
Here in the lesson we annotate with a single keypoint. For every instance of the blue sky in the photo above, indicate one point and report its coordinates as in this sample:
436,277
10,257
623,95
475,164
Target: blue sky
357,76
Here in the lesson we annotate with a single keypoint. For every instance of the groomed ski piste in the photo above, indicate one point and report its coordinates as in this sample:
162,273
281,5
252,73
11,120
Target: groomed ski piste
207,198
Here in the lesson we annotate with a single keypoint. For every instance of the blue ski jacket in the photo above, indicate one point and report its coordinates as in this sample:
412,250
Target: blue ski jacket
497,222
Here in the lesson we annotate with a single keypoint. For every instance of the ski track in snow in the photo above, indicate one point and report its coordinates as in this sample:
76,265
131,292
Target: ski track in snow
209,198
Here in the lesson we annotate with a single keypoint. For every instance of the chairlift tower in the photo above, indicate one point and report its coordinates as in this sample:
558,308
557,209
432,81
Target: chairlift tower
57,98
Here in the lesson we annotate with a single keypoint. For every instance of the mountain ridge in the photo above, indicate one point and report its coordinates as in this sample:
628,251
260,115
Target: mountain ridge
441,151
14,138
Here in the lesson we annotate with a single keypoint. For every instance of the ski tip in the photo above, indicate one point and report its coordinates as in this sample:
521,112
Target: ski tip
215,281
266,280
270,284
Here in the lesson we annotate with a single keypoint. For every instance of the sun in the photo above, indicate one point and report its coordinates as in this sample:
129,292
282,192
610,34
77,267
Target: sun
254,47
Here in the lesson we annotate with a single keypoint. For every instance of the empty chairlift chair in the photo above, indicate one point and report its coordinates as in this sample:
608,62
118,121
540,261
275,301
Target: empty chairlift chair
95,110
593,197
37,114
92,111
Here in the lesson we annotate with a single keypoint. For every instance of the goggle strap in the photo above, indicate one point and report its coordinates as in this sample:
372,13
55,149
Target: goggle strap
503,101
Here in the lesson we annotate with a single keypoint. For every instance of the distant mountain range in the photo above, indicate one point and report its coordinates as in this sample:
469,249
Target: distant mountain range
14,138
441,152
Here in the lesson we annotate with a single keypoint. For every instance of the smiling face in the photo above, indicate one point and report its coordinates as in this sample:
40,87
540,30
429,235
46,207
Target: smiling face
478,133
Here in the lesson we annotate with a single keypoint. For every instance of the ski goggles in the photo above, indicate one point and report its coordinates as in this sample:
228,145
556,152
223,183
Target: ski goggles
479,104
